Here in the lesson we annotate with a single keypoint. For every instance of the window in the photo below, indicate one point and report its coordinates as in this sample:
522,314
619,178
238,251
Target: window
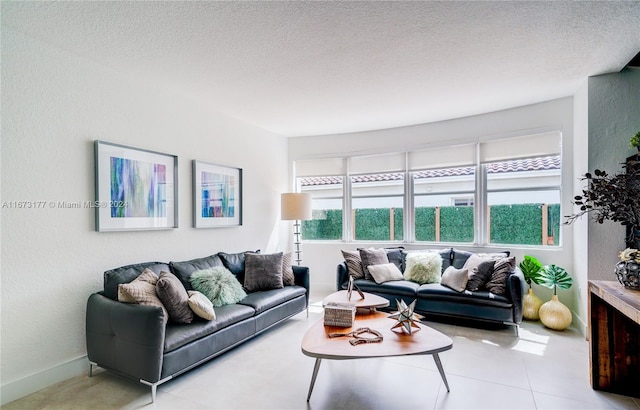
326,202
443,204
498,191
378,207
523,201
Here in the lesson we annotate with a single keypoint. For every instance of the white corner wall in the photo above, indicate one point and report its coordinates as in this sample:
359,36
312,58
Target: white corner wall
322,257
54,105
614,117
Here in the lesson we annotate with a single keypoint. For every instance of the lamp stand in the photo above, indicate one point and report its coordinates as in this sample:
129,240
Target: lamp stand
296,232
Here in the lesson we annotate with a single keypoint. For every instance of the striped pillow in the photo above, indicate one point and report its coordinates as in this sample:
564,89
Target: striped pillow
354,264
501,271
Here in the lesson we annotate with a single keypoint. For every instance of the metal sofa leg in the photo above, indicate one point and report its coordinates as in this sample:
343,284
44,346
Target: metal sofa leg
154,386
91,364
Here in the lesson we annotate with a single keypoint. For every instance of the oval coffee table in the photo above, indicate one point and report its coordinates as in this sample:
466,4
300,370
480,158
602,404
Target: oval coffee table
317,343
370,301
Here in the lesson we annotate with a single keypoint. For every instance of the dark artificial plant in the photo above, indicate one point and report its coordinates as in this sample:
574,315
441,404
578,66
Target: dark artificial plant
611,198
531,268
553,277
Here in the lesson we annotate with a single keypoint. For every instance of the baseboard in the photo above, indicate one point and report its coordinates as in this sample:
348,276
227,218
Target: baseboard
38,381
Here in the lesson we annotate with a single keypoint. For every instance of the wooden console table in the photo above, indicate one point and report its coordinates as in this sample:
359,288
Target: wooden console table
614,338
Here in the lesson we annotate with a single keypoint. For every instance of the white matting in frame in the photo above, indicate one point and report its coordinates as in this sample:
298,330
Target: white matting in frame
136,189
217,195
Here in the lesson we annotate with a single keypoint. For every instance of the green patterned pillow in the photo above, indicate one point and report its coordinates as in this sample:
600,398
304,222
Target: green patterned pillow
219,285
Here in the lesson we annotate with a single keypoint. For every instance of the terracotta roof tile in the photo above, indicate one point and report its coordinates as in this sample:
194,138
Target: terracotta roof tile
520,165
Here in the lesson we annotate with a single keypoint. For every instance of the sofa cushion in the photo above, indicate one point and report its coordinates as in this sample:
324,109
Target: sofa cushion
266,299
480,275
174,297
396,256
235,262
183,270
459,257
372,256
219,285
288,278
502,268
354,264
201,305
263,272
455,279
436,291
125,274
396,287
178,335
385,272
423,267
142,290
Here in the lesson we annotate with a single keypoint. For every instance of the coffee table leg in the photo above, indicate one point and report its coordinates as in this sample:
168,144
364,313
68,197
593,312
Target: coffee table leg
316,367
436,358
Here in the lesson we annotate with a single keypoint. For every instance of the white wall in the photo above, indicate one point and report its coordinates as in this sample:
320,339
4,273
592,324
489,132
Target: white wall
614,117
54,106
322,258
580,226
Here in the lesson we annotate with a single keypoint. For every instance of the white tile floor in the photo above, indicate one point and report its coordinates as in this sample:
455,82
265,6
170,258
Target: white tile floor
486,369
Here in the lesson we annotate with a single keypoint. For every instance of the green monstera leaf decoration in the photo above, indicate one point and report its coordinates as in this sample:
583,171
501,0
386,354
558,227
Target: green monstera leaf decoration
531,268
553,277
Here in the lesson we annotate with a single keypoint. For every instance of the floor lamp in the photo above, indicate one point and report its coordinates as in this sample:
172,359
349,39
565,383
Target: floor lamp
296,207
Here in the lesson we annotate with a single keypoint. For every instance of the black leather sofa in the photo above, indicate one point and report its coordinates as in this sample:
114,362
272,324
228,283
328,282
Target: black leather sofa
436,301
133,340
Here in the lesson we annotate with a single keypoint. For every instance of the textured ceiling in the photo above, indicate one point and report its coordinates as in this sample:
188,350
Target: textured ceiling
308,68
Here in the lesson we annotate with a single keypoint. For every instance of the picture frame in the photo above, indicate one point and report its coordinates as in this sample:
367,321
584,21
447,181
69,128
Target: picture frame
135,189
217,195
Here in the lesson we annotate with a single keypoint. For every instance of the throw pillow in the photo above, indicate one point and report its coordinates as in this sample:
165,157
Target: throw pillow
480,275
235,262
354,264
423,267
174,297
385,272
219,285
142,290
501,271
201,305
473,261
288,279
372,256
455,279
263,272
396,256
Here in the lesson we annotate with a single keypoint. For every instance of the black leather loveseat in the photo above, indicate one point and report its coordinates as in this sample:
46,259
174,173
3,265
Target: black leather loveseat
137,341
434,300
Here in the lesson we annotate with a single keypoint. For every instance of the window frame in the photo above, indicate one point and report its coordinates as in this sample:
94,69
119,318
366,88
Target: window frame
479,199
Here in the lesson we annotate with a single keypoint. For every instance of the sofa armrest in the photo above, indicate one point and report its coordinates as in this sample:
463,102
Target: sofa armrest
341,275
127,338
515,290
301,278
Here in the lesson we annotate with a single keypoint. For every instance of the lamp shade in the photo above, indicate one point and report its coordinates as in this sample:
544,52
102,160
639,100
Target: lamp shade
295,207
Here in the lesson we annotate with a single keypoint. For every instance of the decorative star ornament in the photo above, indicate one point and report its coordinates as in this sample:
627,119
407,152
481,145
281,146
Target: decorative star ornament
406,319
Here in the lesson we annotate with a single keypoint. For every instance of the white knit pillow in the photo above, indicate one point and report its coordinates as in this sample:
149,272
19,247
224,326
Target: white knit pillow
423,267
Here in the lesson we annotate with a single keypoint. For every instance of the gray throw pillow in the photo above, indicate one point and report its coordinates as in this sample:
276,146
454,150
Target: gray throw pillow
174,297
372,256
288,278
480,275
263,272
455,279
